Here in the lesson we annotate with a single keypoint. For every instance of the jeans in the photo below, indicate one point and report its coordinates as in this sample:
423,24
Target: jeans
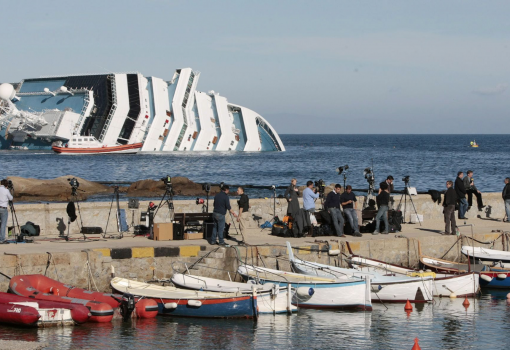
218,228
352,216
338,220
507,209
463,205
382,213
449,219
4,215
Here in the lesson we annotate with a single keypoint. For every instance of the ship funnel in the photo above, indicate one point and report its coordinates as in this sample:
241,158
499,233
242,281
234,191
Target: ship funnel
7,92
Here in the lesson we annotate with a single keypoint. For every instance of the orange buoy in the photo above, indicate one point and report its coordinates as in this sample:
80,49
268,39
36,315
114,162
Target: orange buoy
416,346
466,302
408,306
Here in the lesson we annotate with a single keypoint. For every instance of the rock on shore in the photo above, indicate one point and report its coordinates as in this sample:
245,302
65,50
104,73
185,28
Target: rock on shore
54,190
182,186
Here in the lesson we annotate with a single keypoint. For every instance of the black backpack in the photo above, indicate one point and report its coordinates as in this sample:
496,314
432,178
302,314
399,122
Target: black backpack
395,221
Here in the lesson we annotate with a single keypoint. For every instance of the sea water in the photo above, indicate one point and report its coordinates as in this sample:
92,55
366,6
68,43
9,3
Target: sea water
443,324
429,160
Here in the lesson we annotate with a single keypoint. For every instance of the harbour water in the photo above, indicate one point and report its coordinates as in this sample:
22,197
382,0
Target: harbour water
444,324
430,160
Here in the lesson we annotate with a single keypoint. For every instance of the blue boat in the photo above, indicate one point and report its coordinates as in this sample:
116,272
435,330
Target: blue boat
191,303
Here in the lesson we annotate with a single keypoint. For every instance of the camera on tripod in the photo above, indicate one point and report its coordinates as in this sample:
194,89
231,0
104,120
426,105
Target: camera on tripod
10,185
341,169
74,183
273,188
369,175
406,179
206,187
167,181
321,186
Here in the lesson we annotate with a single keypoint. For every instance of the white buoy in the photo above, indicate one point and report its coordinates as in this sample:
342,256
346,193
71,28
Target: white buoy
171,306
486,278
195,303
501,276
305,292
334,252
453,296
7,92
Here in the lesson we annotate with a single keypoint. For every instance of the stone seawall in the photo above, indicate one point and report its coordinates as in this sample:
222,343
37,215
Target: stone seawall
92,268
52,217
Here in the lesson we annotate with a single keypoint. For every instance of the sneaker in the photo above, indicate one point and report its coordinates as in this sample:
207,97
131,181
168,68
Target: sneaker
213,243
341,236
385,233
223,245
375,232
463,218
444,233
357,234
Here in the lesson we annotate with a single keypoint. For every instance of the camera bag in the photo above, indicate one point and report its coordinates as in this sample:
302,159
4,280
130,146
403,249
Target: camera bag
30,229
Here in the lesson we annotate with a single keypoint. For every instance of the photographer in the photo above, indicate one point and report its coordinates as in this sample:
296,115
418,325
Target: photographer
506,198
332,205
5,198
389,182
221,205
383,200
469,185
449,202
309,197
244,206
349,204
291,195
460,190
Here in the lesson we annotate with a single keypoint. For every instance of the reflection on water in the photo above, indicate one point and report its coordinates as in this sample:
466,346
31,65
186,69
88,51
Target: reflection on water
444,324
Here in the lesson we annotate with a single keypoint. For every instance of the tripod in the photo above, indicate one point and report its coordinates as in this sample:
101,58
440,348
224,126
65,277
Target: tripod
404,196
18,237
370,194
168,199
119,224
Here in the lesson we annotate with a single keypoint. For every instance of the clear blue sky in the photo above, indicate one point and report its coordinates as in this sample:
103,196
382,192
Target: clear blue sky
307,66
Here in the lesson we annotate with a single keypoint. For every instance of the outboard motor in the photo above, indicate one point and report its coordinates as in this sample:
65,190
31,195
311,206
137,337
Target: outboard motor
127,306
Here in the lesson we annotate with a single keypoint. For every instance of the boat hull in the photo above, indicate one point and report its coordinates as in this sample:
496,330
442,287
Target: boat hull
126,149
239,307
498,279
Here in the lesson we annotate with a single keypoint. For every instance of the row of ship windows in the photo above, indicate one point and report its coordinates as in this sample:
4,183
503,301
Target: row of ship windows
85,139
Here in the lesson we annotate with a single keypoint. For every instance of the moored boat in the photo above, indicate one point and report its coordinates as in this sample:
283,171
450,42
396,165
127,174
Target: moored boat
22,315
270,298
487,256
316,292
447,281
191,303
79,313
97,149
384,288
102,306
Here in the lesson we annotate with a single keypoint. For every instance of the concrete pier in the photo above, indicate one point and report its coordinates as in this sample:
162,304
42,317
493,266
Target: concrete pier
89,264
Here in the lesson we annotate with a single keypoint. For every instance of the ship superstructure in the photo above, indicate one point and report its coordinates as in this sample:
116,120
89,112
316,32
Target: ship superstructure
116,109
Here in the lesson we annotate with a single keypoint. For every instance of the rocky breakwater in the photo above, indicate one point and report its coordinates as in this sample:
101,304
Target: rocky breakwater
59,189
181,186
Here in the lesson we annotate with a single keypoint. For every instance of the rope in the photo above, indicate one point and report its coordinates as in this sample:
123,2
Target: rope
451,247
490,242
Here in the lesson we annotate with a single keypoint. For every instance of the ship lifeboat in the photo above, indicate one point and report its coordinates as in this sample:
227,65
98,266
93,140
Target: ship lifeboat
130,148
79,313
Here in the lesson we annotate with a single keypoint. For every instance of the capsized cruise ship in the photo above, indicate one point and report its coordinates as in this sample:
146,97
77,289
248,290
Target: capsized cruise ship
120,111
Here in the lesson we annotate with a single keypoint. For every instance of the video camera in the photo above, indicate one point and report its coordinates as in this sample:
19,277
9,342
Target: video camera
341,169
206,187
321,185
167,181
74,183
273,188
369,175
10,185
406,179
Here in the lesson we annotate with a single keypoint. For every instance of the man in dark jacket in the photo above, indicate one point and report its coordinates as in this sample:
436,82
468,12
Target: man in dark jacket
244,207
332,205
460,190
506,198
389,182
221,205
450,199
469,185
383,200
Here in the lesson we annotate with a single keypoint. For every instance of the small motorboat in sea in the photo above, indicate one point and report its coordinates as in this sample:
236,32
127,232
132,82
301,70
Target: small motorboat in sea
98,149
316,292
487,256
174,301
446,282
102,306
52,312
270,298
384,288
473,144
